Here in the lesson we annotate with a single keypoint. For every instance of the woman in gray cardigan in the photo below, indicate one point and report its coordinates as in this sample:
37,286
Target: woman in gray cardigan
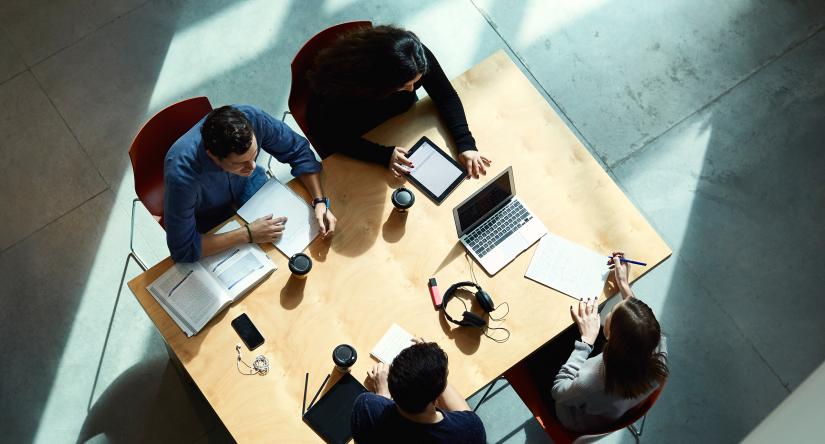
593,393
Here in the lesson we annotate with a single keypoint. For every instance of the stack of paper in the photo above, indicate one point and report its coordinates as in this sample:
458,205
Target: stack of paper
278,200
568,267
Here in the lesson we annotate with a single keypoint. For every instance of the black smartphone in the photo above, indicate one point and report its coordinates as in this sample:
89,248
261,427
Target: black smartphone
247,331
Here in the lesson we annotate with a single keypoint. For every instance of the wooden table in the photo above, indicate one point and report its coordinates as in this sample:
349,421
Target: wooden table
375,270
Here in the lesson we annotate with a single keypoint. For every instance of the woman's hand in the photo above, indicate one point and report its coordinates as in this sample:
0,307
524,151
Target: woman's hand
620,269
399,164
475,163
586,318
377,377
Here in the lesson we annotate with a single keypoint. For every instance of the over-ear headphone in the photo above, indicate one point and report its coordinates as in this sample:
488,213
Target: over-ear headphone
468,318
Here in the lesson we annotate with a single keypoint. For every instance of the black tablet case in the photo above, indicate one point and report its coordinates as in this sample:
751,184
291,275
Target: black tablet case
425,190
330,416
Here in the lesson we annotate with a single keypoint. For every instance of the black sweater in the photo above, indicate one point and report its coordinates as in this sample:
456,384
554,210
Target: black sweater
337,125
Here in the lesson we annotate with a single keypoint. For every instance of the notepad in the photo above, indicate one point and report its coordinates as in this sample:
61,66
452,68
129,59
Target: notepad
278,200
391,344
568,267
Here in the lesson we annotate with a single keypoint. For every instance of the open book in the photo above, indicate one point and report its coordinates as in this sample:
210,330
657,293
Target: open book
193,293
278,200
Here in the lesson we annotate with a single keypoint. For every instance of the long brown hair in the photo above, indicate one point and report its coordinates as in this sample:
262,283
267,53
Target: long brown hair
368,63
632,364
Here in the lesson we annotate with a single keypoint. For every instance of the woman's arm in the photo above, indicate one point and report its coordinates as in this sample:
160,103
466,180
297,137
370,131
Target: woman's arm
449,105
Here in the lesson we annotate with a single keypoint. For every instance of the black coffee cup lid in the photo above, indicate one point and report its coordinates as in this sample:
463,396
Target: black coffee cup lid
344,355
300,263
403,198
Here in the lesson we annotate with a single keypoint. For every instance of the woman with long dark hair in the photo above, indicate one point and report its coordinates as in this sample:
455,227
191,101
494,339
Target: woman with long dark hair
593,393
370,75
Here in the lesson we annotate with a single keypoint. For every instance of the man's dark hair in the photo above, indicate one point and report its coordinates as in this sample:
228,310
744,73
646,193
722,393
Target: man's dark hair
226,130
418,376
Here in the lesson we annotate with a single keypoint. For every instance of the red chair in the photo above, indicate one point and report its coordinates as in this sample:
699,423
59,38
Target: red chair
147,153
525,386
303,61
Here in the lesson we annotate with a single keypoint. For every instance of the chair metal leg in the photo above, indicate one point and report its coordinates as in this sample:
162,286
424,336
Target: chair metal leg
637,433
486,393
132,244
130,256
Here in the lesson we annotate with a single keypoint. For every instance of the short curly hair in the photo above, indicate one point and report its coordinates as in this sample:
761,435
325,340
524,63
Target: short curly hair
226,130
418,376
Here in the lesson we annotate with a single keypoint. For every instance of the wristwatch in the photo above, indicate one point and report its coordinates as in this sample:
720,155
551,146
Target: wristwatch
317,200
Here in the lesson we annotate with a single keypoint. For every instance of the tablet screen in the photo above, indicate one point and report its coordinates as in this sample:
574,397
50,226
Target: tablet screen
434,170
330,416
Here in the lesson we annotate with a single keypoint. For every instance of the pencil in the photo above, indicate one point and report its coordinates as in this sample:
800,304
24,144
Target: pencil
304,406
311,403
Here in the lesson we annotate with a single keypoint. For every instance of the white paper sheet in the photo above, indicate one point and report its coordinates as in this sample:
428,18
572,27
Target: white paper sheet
277,199
568,267
432,170
391,344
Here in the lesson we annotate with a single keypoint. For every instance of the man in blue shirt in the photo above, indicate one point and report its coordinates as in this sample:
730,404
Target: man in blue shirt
413,403
210,171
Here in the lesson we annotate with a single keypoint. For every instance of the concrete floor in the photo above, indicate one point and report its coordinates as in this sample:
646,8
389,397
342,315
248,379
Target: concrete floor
710,115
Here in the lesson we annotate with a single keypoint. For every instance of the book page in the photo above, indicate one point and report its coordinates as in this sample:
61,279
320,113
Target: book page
277,199
238,268
568,267
189,295
395,340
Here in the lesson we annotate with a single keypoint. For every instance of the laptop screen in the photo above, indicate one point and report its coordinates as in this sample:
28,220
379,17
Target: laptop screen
488,199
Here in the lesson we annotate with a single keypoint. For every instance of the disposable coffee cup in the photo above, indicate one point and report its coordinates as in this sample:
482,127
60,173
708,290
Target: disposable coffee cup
344,356
299,265
402,199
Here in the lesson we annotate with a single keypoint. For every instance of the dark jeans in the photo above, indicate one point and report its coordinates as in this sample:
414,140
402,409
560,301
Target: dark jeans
546,362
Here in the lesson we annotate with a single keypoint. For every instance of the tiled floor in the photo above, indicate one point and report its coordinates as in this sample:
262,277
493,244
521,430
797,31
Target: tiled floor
710,115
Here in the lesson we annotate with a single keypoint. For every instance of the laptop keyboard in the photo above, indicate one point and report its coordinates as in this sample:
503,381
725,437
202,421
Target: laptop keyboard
497,227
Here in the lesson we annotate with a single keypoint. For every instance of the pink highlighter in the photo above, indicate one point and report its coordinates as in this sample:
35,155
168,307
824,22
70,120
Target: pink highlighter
434,293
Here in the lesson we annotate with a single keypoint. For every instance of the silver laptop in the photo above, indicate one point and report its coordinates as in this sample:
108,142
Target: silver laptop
494,225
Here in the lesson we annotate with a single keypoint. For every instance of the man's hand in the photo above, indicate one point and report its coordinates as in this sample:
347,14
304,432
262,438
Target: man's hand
377,376
475,163
586,318
399,164
326,220
267,229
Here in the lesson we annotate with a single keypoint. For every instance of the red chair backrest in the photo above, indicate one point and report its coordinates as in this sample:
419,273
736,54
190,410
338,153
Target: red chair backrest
523,384
303,61
153,141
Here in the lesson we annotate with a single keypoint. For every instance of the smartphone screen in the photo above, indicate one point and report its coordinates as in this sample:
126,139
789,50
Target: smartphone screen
247,331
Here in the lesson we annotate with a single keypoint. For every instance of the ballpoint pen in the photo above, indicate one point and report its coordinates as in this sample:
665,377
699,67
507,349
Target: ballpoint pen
629,261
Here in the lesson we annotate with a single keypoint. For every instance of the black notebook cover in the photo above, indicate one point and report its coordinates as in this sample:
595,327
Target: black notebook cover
330,416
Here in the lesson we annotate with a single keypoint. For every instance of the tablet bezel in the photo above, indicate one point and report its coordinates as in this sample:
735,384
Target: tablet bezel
437,199
309,418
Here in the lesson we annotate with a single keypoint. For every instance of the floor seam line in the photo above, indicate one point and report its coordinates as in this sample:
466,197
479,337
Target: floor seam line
579,135
733,322
86,36
55,220
71,131
793,46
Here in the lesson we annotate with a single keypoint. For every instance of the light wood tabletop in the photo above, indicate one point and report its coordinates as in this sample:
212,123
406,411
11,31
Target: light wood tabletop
374,271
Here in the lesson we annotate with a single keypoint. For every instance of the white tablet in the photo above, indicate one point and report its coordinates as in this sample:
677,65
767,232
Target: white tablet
435,172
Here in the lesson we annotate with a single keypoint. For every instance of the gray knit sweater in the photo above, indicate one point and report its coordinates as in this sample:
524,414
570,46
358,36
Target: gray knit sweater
581,401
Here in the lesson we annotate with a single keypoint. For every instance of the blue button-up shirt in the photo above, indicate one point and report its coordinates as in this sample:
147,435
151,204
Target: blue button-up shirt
199,194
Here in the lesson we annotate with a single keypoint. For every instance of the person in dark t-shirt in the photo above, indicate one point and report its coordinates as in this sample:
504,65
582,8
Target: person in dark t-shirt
414,403
369,75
